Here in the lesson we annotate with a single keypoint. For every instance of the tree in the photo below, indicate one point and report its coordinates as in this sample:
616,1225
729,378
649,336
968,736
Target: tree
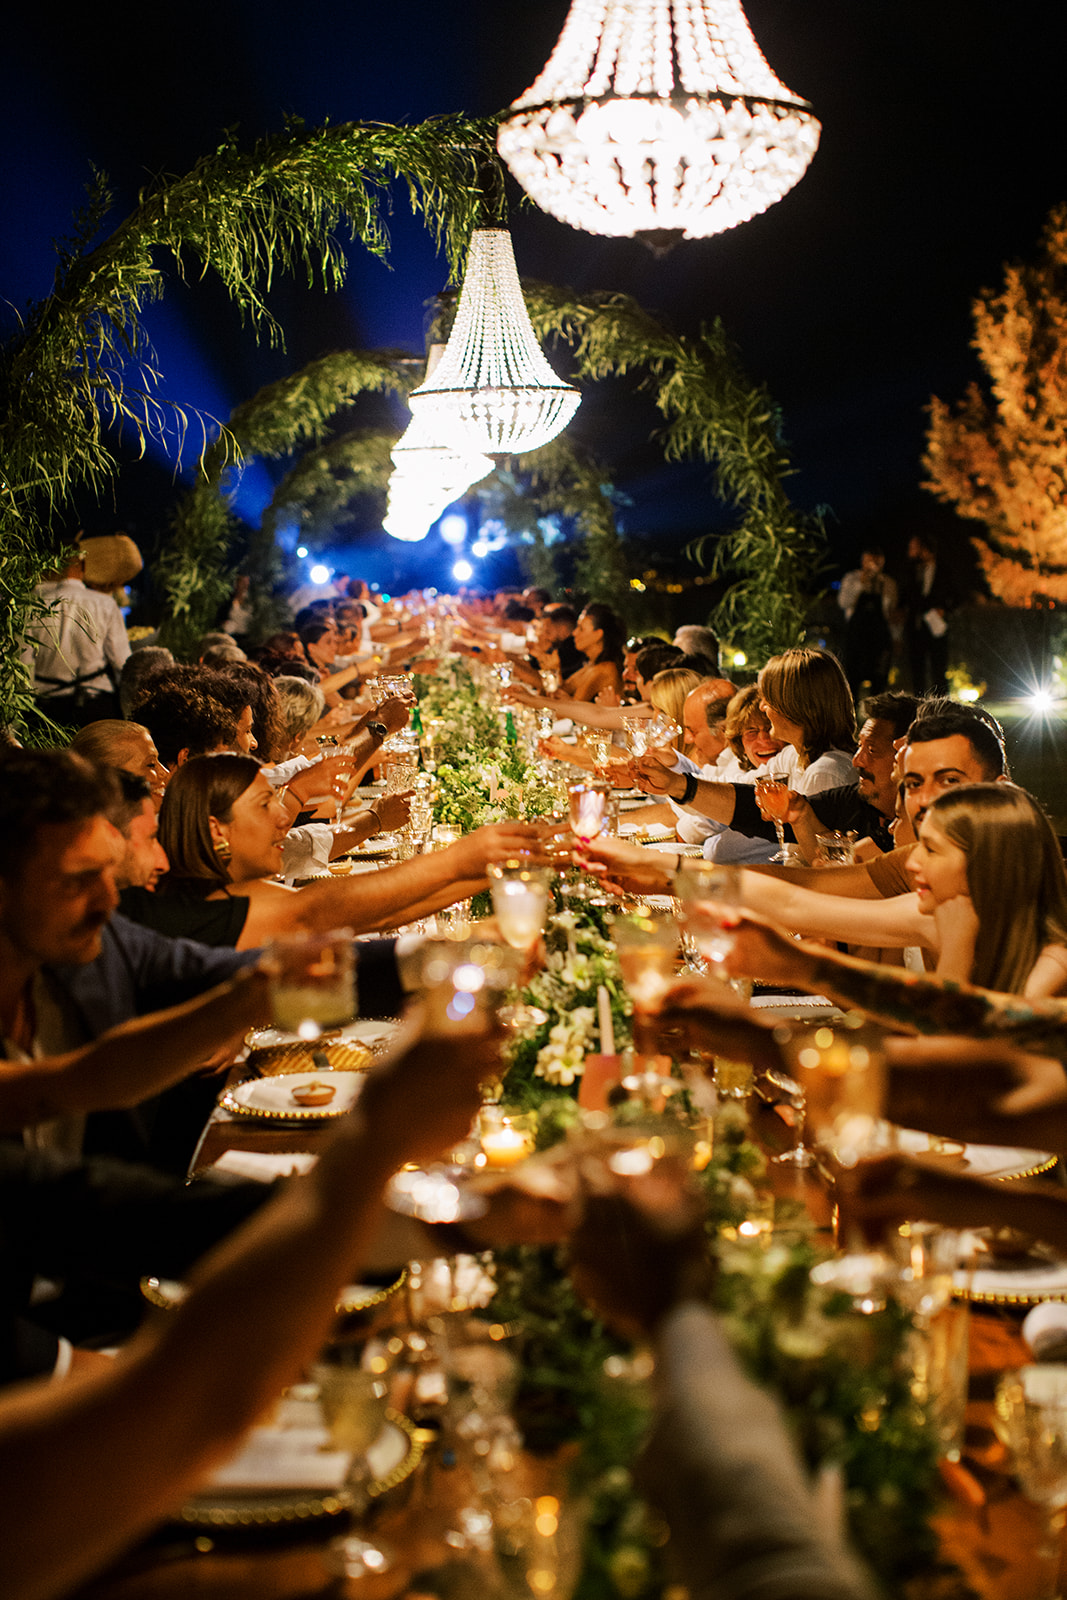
1000,455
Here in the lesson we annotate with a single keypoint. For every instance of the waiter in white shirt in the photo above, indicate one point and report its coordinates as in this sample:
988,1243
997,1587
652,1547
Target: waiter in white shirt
76,649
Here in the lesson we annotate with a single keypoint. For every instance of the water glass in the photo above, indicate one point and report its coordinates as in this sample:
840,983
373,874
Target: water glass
709,894
312,981
588,805
835,849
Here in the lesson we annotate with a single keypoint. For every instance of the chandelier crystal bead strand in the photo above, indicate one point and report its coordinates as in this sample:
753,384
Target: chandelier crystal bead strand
493,392
660,119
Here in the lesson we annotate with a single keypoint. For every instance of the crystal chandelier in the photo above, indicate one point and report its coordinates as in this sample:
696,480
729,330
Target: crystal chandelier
493,391
657,118
427,476
427,473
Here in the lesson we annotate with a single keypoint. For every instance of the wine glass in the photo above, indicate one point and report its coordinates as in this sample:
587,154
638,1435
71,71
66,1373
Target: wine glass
840,1069
772,795
520,904
647,945
661,731
549,680
636,730
709,894
1030,1409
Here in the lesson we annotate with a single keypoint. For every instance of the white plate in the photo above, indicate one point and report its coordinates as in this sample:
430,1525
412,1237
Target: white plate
1016,1283
673,848
272,1098
368,1031
983,1160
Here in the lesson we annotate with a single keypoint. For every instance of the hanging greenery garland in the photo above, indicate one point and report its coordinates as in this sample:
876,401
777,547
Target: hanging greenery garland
712,412
79,363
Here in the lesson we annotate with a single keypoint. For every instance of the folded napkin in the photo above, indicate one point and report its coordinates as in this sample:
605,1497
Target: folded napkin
651,830
261,1167
284,1458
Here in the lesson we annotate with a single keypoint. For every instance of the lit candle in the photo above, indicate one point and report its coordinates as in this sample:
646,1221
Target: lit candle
607,1031
505,1146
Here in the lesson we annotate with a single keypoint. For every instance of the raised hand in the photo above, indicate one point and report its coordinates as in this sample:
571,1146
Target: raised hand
393,810
640,1247
422,1101
472,855
654,775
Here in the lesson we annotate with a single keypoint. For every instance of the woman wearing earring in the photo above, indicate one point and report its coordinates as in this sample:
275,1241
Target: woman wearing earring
223,830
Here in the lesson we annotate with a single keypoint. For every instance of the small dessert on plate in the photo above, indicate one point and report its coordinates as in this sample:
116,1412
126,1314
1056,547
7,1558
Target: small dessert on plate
314,1093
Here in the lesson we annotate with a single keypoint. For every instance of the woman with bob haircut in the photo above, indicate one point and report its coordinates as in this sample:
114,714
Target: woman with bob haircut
223,830
669,690
808,703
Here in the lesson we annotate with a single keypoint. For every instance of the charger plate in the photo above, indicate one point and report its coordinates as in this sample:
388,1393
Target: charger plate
1003,1162
271,1099
166,1293
1039,1276
392,1457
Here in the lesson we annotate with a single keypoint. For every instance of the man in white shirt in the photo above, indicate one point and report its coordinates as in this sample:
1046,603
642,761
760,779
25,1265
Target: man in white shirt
76,649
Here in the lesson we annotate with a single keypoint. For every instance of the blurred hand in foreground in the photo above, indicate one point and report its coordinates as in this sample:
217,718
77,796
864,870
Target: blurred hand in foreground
640,1247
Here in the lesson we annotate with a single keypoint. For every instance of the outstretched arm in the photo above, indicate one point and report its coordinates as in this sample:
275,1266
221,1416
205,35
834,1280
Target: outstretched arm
924,1004
129,1063
90,1464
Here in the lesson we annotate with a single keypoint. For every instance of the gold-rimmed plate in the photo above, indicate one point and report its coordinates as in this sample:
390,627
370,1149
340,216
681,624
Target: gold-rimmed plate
1039,1275
294,1096
374,1032
1006,1163
166,1293
392,1457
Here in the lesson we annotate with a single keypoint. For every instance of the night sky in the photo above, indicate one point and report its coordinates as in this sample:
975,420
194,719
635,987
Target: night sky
942,151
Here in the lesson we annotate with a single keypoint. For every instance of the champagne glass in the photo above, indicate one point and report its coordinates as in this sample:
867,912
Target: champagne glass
600,745
709,894
772,795
798,1154
520,904
647,944
312,981
549,680
636,730
1031,1419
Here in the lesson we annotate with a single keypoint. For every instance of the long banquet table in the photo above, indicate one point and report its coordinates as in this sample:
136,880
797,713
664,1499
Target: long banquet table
993,1543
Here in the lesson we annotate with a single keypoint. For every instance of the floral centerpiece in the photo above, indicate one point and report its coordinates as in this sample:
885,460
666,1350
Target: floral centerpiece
842,1378
482,774
579,960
